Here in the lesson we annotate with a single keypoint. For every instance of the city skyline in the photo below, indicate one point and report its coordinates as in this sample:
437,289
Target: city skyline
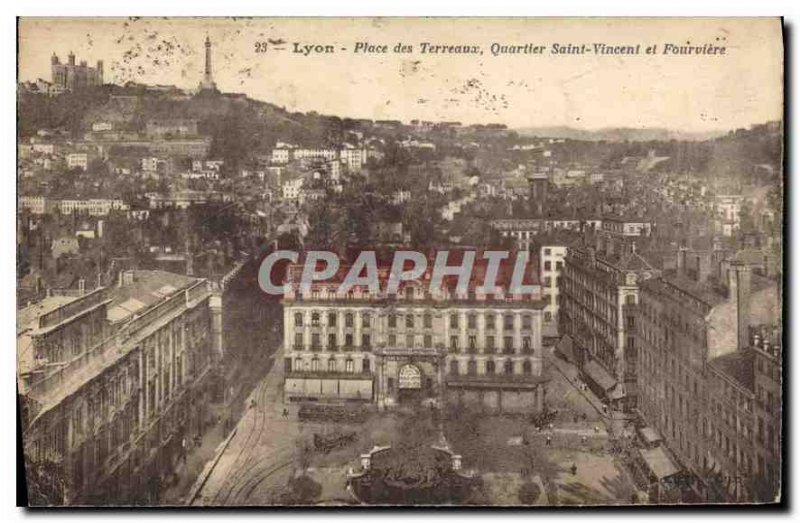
569,91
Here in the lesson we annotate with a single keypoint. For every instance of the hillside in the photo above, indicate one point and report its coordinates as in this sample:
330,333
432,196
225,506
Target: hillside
617,134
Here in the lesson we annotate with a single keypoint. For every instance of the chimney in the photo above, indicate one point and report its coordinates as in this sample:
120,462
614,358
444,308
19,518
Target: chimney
680,262
82,286
71,58
739,292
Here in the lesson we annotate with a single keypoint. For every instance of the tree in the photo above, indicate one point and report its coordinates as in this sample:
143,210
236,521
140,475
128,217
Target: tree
529,492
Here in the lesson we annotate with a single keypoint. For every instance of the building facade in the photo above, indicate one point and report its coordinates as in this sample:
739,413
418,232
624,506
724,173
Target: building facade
697,371
413,346
113,381
552,264
71,76
599,294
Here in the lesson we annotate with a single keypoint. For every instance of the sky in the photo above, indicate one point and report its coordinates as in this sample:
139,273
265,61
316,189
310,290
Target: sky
686,93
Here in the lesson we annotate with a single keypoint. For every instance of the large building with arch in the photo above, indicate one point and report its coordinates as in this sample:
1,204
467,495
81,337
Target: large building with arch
414,346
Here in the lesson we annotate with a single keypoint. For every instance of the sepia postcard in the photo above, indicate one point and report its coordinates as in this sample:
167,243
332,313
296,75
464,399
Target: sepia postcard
400,261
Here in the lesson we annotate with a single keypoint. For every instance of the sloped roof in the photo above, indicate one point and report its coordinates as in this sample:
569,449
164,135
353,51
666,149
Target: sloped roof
738,366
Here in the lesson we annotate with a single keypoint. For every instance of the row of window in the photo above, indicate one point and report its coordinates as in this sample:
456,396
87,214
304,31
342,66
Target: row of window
316,365
410,320
410,341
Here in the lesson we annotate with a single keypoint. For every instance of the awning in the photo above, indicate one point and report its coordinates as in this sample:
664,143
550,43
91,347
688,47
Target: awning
649,435
599,375
618,392
564,348
659,462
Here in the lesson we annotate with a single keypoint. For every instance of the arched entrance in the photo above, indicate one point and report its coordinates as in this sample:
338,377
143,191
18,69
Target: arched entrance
410,384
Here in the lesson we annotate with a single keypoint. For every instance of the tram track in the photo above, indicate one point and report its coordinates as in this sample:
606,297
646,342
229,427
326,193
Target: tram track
257,427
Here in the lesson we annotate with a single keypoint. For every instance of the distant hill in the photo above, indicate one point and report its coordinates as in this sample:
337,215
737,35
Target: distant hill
617,134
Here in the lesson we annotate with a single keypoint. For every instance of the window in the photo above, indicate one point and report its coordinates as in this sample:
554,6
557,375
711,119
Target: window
490,368
365,366
410,341
508,344
428,321
526,322
454,367
428,341
547,252
298,319
526,367
349,366
315,345
392,340
298,364
454,343
315,319
332,319
348,319
526,344
508,367
315,365
548,316
392,321
332,341
472,342
298,341
454,321
365,341
348,340
409,321
472,368
331,365
547,266
490,322
508,322
559,265
472,322
489,344
365,320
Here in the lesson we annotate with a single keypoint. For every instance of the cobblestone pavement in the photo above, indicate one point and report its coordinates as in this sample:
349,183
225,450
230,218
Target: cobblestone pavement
261,457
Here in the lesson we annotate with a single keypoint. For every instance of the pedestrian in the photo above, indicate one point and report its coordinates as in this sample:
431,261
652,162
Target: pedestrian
285,412
584,439
596,428
549,440
574,469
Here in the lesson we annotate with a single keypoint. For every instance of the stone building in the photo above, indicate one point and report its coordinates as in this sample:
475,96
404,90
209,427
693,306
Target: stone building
71,76
697,375
113,381
414,346
599,293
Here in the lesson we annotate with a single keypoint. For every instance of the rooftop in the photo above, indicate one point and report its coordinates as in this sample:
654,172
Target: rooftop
738,366
143,289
